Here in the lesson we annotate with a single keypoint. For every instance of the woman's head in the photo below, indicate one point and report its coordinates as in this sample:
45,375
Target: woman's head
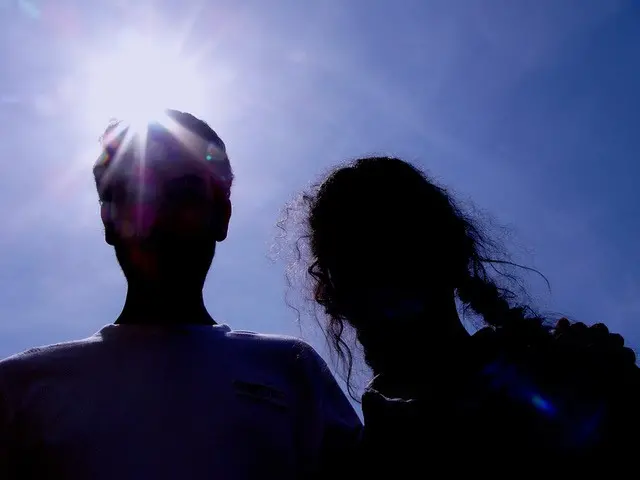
387,244
382,235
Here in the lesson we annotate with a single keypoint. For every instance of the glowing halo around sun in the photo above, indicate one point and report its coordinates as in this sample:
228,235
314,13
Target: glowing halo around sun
135,78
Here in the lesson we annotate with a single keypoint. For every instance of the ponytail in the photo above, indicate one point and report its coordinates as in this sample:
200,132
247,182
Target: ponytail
493,304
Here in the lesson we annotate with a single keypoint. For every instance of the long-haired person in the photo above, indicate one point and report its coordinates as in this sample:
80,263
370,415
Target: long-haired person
393,258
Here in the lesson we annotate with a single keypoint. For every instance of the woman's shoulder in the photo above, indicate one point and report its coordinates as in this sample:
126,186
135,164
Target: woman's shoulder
578,387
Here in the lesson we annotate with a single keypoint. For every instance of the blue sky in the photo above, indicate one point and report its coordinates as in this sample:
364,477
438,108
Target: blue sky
529,108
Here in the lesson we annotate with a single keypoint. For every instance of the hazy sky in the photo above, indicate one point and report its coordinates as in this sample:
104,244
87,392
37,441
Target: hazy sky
530,108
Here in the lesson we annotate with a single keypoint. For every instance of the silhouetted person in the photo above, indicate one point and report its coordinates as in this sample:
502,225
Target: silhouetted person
391,255
166,392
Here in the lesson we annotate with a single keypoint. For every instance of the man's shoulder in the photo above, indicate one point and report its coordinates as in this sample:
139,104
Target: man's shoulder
268,340
273,344
45,354
47,357
280,349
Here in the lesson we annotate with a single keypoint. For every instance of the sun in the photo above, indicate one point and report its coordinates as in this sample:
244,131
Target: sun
136,78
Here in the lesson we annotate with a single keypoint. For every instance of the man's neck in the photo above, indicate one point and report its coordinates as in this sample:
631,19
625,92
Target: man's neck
155,305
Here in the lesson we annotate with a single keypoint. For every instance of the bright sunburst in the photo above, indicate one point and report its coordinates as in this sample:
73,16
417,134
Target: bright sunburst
133,77
136,78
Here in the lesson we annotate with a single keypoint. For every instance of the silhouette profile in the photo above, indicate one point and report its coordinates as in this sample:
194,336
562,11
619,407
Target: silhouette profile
166,392
391,255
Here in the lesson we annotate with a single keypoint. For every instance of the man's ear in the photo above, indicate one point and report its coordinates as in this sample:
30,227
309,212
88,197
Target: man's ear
107,221
223,216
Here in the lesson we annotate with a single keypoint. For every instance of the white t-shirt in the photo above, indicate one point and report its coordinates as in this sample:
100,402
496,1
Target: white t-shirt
191,402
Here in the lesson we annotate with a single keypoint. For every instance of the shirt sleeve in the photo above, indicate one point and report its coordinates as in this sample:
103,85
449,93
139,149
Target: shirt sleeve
7,440
336,426
4,437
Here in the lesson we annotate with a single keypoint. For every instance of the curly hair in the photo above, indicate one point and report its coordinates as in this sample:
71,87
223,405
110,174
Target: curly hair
352,199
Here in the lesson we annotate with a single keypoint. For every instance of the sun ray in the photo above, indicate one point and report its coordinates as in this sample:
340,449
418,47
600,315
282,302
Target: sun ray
114,142
192,141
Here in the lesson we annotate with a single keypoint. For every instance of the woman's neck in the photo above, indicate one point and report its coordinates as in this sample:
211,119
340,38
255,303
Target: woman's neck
423,345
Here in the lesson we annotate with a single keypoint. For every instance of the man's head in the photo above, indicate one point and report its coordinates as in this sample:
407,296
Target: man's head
164,190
